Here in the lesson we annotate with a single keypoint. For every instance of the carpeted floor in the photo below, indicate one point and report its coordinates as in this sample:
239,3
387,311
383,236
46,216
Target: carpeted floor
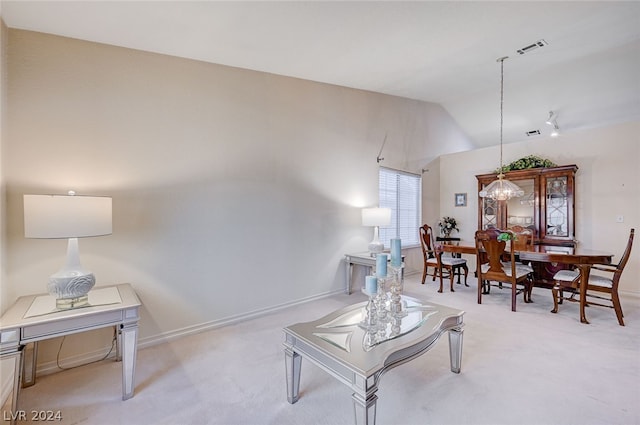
528,367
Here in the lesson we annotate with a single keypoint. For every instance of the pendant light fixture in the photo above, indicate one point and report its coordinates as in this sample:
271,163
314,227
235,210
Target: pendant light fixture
501,189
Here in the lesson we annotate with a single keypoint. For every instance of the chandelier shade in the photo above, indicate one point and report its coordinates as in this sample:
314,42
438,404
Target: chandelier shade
501,190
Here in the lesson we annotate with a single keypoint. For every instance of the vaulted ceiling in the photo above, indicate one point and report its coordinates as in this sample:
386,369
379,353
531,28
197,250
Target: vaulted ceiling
442,52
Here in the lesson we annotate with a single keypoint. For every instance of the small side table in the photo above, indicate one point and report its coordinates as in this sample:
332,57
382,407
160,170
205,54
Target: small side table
362,259
34,318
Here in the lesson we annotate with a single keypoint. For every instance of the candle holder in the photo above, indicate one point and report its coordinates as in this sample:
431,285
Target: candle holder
382,308
370,319
370,339
395,288
396,325
381,295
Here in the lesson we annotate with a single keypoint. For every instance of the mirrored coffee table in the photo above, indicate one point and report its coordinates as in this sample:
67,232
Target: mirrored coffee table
344,347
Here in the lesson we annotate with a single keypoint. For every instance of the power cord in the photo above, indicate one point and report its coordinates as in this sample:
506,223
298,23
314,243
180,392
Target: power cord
113,343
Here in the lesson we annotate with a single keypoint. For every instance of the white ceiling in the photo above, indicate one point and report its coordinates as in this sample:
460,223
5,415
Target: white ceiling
442,52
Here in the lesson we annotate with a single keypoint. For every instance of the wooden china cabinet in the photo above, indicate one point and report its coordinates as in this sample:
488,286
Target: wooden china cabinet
547,208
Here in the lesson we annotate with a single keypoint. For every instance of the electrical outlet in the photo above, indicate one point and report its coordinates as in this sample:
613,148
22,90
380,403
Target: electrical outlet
619,219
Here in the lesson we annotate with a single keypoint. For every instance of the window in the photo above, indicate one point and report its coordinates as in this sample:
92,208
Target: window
401,192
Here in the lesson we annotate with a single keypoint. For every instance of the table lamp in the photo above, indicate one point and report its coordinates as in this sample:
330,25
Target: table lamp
72,217
376,217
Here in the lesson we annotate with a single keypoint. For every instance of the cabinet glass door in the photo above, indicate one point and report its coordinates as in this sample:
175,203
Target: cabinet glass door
522,211
557,211
490,214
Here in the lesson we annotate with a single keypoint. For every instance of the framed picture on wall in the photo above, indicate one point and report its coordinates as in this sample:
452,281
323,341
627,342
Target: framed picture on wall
461,200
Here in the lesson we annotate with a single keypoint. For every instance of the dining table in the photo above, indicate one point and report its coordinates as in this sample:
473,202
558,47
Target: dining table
578,256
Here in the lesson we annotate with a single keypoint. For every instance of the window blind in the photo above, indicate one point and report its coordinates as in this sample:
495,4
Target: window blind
401,192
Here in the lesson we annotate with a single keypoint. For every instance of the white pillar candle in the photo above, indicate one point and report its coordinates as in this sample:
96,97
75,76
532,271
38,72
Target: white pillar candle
381,265
396,253
371,285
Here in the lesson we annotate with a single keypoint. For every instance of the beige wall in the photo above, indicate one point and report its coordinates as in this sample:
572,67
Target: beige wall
234,191
606,185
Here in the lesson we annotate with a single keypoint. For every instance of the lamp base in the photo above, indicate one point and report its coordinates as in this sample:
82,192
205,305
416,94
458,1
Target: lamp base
376,247
70,290
69,303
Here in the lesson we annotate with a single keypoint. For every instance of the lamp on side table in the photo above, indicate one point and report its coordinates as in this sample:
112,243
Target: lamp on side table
376,217
69,217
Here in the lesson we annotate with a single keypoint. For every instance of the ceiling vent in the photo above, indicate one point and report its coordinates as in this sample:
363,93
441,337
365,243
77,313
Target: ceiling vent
532,133
531,47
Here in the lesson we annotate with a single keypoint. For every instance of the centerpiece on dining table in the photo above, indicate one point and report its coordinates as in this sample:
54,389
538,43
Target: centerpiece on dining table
448,225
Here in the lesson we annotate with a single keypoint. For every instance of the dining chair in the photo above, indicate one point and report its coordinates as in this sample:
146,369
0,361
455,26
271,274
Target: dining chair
569,280
443,266
523,240
489,253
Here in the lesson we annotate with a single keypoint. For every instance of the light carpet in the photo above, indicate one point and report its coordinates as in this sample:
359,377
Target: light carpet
527,367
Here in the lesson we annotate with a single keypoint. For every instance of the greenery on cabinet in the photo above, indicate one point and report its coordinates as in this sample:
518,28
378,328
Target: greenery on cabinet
527,162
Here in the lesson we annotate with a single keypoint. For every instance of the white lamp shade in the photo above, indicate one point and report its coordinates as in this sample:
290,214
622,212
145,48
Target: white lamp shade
376,216
66,216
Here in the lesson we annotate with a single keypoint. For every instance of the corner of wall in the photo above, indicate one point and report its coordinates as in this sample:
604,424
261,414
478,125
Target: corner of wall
6,369
431,192
4,36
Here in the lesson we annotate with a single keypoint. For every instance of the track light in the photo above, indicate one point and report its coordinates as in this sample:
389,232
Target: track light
553,122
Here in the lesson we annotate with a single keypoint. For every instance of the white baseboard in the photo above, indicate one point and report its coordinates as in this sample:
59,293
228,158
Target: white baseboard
230,320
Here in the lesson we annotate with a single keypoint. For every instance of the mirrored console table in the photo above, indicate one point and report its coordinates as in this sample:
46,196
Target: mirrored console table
34,318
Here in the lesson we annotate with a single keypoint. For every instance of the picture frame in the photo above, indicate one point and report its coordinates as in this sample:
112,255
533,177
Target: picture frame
460,200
